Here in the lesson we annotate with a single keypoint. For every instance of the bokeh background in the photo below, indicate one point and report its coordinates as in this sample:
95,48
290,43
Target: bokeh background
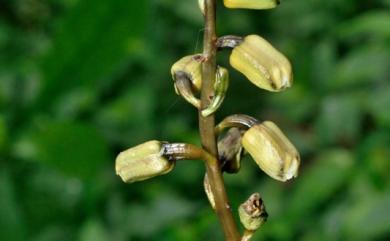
81,80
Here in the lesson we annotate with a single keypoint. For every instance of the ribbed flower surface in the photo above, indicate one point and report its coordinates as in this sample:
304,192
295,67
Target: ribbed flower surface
262,64
272,151
142,162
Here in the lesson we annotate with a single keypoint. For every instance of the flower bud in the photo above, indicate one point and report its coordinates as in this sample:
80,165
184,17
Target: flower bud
191,66
272,151
252,212
142,162
251,4
187,74
262,64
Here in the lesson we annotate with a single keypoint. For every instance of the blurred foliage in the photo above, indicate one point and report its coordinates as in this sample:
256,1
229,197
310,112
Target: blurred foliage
81,80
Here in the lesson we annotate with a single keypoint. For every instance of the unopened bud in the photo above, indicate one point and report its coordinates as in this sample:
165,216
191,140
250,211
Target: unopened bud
262,64
272,151
143,162
252,212
187,74
251,4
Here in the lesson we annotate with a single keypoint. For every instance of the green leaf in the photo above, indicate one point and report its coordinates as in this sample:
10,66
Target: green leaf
378,104
75,149
374,24
319,182
369,218
54,233
93,230
296,103
354,70
374,152
166,210
339,119
129,118
94,41
11,219
3,133
186,10
324,55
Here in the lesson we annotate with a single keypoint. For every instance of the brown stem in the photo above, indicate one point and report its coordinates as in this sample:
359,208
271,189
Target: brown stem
184,151
206,125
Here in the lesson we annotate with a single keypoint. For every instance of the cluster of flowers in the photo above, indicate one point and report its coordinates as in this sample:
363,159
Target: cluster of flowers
262,65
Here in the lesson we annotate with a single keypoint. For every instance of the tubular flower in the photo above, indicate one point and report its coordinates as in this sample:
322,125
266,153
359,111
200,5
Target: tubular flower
143,162
262,64
187,74
272,151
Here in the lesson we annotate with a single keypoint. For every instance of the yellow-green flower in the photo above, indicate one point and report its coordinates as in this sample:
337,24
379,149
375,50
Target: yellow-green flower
142,162
272,151
262,64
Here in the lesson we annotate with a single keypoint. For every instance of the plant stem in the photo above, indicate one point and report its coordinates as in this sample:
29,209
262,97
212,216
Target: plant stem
206,125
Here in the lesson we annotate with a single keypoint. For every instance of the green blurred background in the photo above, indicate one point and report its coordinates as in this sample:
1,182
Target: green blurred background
81,80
